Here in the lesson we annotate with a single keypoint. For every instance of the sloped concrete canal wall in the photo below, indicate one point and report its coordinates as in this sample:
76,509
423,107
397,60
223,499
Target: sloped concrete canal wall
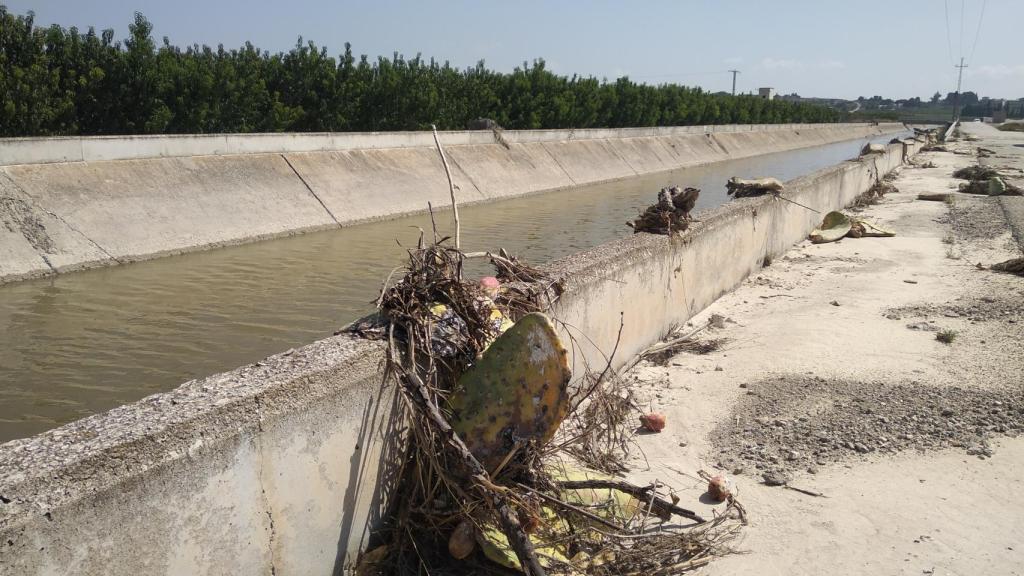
73,203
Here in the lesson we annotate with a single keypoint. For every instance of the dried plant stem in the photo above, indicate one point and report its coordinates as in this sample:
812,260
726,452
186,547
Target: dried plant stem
433,224
608,366
642,493
443,484
661,347
805,491
478,477
451,189
779,196
570,507
611,357
674,342
684,566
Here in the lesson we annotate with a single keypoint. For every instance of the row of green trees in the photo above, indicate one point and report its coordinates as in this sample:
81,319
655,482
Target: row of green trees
56,81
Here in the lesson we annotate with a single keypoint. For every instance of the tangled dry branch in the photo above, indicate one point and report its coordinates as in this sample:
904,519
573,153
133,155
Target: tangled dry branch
436,328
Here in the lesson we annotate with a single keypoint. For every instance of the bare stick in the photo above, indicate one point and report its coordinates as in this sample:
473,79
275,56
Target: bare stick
473,474
659,347
384,288
451,188
433,223
618,338
608,366
674,342
779,196
571,508
804,491
644,494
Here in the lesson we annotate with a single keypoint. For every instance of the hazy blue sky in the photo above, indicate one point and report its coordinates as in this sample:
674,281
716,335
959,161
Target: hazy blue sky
813,47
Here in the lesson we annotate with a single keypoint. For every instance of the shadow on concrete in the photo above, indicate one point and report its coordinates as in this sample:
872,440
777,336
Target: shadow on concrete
387,429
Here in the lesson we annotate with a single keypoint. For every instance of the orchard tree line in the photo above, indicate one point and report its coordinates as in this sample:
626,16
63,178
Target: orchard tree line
56,81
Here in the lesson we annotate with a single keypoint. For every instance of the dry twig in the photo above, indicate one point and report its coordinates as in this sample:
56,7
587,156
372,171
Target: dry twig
451,189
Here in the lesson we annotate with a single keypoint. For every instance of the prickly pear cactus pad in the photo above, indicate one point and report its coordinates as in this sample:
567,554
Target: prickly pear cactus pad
517,391
833,227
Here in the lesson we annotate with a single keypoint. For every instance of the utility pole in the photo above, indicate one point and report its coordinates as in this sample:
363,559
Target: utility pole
959,79
734,73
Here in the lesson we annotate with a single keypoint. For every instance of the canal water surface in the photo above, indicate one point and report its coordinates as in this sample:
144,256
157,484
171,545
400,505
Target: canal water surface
76,344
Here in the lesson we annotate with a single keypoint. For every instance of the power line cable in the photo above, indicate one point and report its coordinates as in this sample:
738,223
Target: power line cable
977,33
949,40
682,74
962,3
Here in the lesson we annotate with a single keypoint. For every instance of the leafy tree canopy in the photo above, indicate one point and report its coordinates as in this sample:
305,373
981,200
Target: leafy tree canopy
56,81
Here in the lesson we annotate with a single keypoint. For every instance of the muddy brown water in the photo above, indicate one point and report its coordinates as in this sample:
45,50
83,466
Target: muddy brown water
77,344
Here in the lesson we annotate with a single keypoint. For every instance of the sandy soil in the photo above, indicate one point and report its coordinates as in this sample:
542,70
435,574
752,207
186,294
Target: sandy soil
912,441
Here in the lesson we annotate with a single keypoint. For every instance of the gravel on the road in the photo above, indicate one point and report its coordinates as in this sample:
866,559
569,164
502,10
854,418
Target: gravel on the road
798,422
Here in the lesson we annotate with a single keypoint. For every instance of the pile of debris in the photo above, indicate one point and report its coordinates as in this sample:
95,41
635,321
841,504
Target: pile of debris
985,180
836,226
677,342
977,172
507,467
877,191
1011,266
744,188
869,149
671,214
928,135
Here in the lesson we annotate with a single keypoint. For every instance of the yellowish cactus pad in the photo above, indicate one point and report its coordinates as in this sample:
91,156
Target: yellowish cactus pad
517,391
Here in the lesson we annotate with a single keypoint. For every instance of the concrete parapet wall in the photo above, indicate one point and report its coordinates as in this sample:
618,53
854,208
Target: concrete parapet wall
658,283
72,203
283,466
273,468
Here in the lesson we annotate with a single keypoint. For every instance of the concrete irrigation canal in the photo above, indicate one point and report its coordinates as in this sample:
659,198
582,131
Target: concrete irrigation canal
284,465
78,344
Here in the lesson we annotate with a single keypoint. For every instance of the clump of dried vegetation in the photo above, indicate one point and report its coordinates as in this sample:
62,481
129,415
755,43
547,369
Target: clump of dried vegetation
670,214
751,188
662,353
985,180
598,433
977,172
1011,266
445,496
877,191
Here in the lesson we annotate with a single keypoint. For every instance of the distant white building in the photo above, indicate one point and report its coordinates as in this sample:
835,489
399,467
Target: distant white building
766,93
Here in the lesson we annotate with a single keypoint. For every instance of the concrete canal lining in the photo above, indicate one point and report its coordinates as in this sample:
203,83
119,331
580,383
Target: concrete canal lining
73,203
283,466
